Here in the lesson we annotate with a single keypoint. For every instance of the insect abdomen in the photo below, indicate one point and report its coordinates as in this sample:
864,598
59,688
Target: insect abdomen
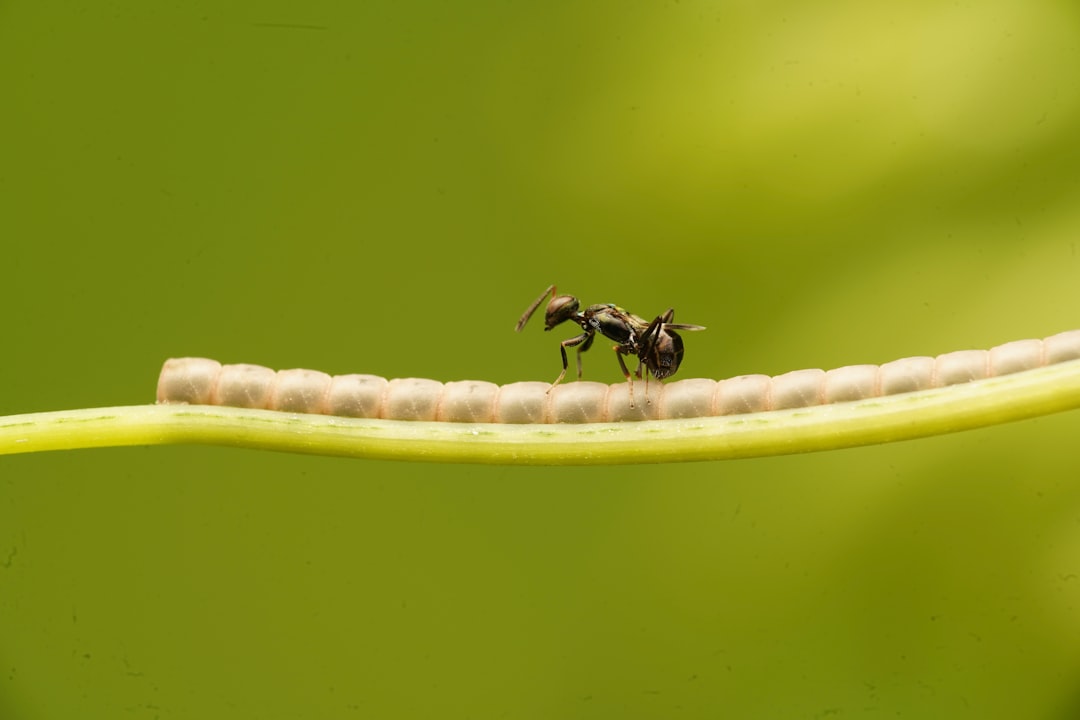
200,381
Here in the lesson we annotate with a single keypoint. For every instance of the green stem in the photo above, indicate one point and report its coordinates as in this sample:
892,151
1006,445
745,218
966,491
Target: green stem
825,427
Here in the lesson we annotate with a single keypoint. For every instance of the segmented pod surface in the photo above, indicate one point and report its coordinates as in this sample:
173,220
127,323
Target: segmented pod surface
200,381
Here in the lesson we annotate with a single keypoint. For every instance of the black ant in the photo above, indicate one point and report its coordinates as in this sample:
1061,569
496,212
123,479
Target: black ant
658,348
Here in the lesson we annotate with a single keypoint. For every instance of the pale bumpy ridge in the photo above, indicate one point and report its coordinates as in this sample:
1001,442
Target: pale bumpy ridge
199,381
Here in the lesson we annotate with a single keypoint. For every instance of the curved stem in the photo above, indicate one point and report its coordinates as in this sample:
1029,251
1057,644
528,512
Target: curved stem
825,427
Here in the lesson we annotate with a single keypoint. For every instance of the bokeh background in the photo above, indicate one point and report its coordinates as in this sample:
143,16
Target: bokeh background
383,187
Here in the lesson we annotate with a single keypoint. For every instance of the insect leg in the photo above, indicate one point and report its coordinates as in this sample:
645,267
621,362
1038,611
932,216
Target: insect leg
648,354
585,337
587,344
648,338
627,349
667,317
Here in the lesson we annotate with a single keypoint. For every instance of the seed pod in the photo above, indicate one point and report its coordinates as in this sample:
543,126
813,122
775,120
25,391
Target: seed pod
199,381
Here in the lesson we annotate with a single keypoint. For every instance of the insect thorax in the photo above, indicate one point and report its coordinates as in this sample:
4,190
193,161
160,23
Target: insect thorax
612,322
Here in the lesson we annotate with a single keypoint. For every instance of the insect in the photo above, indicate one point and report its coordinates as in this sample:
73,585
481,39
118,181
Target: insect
658,348
199,381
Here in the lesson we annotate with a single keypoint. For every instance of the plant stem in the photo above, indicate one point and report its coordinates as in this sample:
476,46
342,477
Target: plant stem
825,427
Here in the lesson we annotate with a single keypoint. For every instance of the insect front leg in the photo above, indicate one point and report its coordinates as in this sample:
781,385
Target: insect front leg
627,349
586,338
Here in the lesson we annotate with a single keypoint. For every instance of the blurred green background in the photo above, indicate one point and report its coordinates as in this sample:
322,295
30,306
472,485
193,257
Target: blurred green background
383,187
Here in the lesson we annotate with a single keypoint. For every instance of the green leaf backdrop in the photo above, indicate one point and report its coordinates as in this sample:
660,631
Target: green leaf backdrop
383,187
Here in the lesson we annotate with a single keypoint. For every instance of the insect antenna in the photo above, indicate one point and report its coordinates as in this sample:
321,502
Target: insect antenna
532,308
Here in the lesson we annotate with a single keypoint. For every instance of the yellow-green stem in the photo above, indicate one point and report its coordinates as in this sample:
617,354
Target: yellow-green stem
826,427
